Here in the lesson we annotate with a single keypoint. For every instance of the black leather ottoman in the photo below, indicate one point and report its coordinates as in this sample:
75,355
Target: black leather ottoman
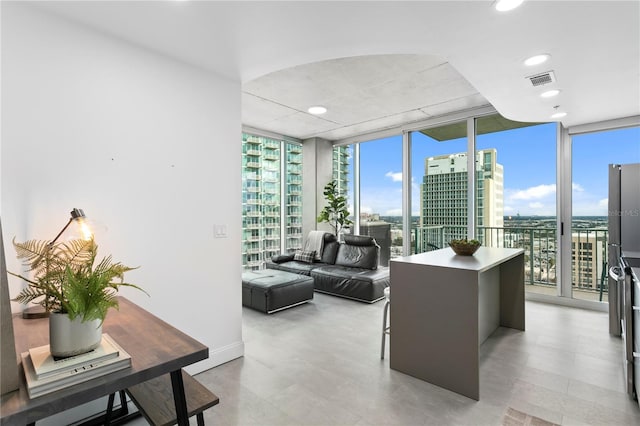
271,290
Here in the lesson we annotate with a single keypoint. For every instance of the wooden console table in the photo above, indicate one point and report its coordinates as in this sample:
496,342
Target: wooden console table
156,348
444,306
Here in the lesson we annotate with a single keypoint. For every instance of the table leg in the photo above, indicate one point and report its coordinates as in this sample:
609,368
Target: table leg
107,416
179,398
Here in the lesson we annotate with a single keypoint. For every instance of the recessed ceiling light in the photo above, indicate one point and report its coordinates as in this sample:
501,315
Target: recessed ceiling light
505,5
559,115
537,60
550,93
317,110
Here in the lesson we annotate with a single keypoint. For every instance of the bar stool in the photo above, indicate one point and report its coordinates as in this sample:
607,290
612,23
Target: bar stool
385,329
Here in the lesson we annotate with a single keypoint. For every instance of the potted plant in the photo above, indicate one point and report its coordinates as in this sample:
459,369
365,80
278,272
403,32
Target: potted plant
335,212
76,289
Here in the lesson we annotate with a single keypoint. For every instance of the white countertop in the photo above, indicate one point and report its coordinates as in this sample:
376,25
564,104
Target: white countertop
483,259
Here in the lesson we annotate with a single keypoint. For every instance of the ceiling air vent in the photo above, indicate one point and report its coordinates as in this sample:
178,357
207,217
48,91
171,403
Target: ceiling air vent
542,78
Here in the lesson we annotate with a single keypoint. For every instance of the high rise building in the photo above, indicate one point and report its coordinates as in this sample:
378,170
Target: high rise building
587,265
341,160
443,198
371,225
293,196
271,199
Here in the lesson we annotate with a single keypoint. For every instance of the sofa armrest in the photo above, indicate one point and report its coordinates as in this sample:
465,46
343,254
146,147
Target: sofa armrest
281,258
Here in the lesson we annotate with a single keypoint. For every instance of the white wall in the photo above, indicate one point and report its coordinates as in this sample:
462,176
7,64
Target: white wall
317,172
147,146
309,185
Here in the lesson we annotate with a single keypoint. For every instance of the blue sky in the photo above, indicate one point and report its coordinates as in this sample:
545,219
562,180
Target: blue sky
528,156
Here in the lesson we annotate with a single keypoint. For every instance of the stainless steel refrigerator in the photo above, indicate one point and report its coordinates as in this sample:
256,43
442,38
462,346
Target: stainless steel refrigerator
624,240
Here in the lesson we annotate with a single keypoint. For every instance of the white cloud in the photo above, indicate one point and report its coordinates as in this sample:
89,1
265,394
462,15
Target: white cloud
395,177
604,203
365,209
536,205
589,209
381,199
534,193
577,187
393,212
508,209
415,187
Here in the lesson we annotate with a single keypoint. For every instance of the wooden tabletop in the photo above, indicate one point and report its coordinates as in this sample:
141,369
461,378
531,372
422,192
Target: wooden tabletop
156,348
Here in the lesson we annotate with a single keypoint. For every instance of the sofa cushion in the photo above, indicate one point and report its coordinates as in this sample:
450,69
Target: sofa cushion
293,266
304,256
359,240
281,258
329,238
330,251
354,283
358,256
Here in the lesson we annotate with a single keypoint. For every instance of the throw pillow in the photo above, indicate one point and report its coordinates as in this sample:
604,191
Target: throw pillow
304,256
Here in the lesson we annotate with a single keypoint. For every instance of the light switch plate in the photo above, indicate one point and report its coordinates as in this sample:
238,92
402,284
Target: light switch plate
220,231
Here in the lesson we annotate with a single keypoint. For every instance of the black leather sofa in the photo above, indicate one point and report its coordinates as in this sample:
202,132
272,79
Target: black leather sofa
348,269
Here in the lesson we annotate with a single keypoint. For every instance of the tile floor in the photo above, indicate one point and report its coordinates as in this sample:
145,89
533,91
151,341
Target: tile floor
319,364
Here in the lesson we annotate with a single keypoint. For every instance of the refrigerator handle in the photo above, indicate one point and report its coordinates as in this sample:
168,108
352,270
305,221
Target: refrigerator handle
615,273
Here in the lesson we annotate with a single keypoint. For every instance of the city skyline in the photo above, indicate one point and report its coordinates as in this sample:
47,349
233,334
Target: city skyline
529,185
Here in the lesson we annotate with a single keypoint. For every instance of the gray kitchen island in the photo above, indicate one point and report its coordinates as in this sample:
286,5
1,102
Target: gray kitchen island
445,305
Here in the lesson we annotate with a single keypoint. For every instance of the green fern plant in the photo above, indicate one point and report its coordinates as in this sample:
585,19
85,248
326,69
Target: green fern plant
67,278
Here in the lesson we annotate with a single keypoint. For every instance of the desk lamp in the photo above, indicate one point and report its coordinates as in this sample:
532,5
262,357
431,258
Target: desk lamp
79,217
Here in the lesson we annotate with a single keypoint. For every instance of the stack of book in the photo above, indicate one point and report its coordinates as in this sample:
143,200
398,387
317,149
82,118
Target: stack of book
44,374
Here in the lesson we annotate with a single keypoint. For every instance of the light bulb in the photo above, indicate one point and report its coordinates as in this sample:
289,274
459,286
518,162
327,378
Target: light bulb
317,110
537,59
85,230
506,5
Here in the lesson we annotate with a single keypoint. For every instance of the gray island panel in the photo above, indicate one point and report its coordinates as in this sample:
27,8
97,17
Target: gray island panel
444,306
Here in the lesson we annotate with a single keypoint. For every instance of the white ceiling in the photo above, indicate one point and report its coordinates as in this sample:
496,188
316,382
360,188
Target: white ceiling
362,94
375,65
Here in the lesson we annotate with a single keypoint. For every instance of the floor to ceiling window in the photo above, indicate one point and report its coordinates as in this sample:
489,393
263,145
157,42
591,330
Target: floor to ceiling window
515,202
381,194
438,186
591,155
271,198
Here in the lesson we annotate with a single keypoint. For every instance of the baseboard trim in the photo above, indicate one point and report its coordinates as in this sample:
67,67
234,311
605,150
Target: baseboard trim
566,301
218,357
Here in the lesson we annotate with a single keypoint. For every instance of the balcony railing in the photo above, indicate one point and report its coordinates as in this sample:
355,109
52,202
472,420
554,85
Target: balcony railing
271,144
589,251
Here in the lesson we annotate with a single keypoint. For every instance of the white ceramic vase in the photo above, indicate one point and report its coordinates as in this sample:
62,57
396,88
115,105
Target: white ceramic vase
69,338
